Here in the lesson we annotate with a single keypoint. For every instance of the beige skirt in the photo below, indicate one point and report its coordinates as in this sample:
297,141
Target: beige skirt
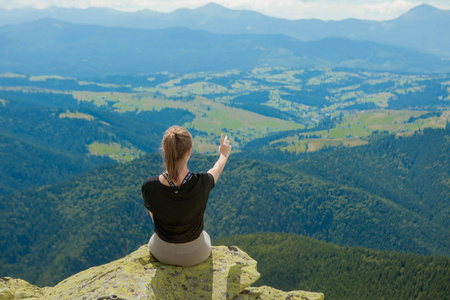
188,254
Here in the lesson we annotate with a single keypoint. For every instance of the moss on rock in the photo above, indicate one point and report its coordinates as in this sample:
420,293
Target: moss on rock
15,289
226,274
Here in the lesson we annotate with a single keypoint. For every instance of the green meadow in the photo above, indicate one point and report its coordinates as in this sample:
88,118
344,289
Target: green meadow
356,128
211,117
114,151
252,104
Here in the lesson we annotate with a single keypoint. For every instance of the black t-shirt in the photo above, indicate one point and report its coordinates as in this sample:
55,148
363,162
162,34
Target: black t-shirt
178,212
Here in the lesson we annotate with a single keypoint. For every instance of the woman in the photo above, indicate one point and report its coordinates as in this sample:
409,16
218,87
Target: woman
177,199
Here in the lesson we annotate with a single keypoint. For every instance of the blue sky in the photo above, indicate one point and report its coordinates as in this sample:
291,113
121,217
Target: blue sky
288,9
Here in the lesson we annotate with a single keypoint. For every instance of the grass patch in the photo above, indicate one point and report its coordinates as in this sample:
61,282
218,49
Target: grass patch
106,85
379,99
45,77
312,145
114,151
76,115
12,75
355,128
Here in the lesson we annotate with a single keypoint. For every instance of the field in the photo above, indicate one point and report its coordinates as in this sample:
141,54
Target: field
356,129
252,104
211,117
114,151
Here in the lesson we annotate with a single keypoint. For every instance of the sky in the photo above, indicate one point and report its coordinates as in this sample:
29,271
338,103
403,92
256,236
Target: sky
287,9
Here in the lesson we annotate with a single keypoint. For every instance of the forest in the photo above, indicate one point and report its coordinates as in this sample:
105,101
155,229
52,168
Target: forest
352,165
292,262
45,137
101,210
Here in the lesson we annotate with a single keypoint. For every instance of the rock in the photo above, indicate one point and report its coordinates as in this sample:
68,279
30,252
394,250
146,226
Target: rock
14,289
226,274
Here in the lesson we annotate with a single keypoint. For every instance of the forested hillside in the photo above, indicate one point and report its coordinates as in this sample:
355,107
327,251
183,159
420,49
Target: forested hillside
46,137
25,165
101,213
291,262
412,172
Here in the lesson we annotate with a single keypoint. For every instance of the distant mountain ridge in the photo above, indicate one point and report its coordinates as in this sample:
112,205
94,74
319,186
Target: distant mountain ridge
423,28
49,46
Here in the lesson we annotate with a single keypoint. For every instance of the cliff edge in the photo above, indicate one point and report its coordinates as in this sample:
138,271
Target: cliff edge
226,274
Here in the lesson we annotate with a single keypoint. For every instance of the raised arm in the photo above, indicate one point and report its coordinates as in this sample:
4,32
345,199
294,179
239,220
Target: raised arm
224,152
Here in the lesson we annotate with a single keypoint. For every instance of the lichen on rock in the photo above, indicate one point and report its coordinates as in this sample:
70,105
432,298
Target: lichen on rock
227,274
15,289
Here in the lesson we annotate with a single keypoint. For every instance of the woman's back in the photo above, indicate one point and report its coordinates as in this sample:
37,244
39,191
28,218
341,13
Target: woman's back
177,199
178,212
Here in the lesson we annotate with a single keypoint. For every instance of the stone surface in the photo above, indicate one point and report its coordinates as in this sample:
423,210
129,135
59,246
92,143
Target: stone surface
14,289
226,274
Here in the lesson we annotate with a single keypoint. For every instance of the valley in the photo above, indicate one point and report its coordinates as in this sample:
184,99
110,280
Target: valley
362,196
249,105
338,180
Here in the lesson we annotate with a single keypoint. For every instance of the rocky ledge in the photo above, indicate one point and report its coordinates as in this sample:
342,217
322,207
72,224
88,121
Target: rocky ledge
227,274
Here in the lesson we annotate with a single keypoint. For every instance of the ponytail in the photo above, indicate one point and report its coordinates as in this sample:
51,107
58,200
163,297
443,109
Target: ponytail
175,144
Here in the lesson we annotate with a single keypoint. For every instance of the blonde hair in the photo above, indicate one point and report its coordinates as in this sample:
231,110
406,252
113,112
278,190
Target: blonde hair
175,144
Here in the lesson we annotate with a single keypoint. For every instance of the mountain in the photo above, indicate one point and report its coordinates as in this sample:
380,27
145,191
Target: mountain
423,28
101,212
53,47
227,274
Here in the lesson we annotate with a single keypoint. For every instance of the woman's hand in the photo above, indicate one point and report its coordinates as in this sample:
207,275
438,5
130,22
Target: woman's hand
224,151
225,147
